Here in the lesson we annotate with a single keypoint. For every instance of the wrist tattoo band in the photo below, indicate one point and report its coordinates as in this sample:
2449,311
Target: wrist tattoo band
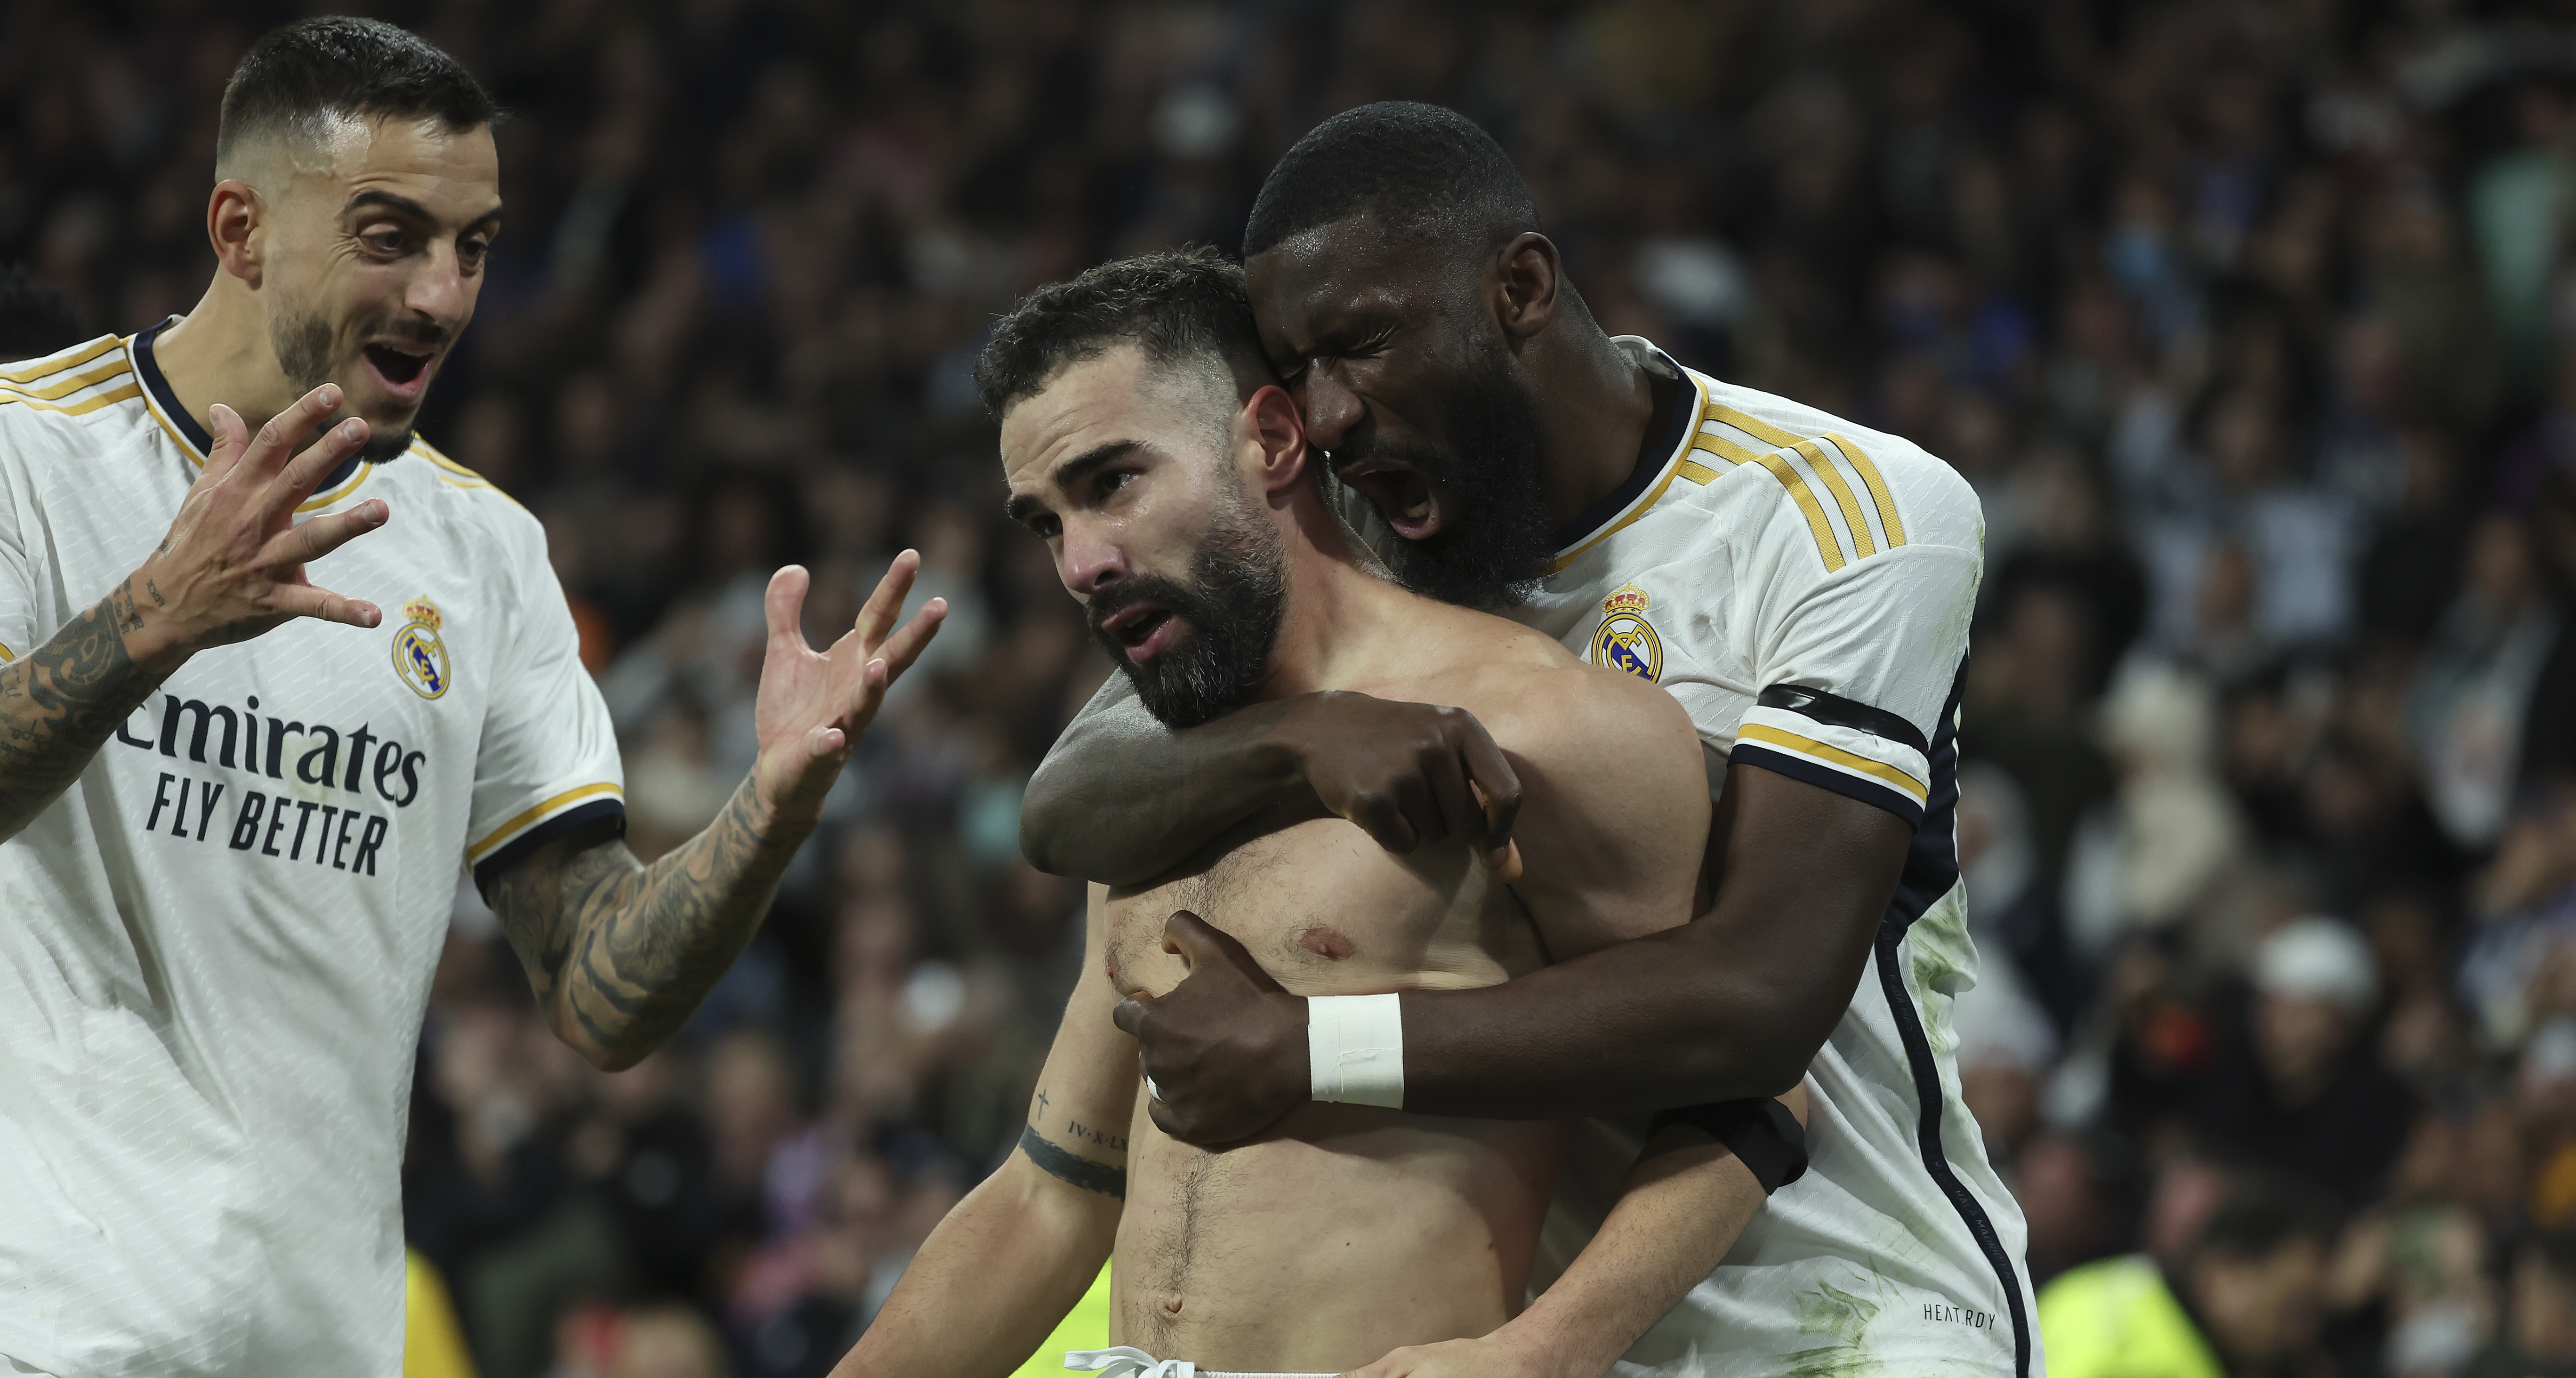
1355,1049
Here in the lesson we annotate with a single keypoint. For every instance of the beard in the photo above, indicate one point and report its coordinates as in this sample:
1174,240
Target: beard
302,341
1229,611
1495,540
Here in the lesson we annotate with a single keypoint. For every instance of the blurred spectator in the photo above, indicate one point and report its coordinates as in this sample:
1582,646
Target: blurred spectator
2244,1299
2538,1339
2298,1087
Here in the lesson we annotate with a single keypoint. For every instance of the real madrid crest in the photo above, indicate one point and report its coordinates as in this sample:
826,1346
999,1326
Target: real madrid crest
1625,642
419,656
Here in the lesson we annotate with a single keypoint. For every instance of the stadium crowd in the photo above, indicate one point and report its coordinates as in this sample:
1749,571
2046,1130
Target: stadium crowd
2248,321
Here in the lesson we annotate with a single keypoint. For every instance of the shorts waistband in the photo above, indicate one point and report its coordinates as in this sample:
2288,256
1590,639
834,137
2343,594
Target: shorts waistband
1126,1361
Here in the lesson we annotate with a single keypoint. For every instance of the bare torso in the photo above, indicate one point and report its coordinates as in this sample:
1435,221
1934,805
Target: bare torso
1345,1231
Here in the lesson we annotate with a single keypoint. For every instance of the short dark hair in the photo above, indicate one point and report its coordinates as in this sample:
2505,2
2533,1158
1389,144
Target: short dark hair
1181,306
36,317
302,73
1419,169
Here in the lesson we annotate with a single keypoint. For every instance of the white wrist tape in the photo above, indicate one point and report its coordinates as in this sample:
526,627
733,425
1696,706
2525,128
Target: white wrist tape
1355,1049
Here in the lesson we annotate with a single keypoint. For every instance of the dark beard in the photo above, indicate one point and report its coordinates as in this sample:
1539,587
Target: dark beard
303,345
1495,539
1229,611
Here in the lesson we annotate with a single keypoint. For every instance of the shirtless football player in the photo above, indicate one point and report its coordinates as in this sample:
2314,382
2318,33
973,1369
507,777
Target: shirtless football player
1144,439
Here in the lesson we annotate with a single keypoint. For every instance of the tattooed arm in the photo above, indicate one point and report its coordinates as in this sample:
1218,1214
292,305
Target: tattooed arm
997,1275
620,953
231,567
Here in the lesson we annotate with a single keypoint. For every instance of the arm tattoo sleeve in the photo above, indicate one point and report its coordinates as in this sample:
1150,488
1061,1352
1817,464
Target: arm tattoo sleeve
59,703
620,953
1064,1166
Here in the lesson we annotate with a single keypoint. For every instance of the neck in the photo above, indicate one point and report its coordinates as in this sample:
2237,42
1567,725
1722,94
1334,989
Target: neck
1341,624
1594,416
220,352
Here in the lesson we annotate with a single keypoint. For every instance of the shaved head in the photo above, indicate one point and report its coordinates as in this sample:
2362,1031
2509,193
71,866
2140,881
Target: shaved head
306,96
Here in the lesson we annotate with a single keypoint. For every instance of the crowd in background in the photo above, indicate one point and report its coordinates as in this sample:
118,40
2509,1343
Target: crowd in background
2248,321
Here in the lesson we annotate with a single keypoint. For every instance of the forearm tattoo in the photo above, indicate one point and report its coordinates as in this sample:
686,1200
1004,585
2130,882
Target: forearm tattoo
1069,1168
59,703
623,952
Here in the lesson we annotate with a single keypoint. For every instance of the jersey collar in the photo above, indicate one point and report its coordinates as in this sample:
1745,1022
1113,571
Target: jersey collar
1657,460
183,426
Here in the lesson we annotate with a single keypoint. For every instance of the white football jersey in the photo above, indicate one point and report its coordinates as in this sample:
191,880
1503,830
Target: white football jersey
219,941
1804,586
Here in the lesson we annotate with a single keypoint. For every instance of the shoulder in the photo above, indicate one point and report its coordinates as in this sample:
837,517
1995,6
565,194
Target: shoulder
1823,488
1589,733
69,400
470,496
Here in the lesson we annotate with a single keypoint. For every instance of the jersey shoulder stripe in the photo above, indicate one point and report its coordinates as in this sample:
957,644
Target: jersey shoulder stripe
1803,458
456,475
37,370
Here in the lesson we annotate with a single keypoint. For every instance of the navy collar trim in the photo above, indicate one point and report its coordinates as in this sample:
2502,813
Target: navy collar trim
185,423
1682,416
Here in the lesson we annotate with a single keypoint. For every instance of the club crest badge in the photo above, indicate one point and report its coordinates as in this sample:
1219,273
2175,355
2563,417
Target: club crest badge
1625,642
419,656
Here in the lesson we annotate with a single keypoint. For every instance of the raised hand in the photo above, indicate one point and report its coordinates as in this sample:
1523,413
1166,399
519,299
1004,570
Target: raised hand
1225,1050
814,704
232,565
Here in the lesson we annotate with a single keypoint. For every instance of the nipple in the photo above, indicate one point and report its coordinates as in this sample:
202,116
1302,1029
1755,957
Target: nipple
1326,943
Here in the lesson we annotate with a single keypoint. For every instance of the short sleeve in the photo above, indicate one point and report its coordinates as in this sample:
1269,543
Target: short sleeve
18,630
549,761
1854,670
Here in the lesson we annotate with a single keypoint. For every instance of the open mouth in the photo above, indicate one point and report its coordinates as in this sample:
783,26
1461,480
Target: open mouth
1403,496
403,368
1143,631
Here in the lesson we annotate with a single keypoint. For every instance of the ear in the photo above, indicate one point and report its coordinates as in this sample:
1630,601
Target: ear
235,215
1270,423
1524,283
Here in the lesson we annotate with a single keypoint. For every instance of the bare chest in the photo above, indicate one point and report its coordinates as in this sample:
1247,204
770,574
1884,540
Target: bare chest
1326,911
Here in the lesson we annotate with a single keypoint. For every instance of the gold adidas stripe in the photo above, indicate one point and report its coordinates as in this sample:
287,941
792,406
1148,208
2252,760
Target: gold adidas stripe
1805,497
1878,493
479,850
1808,746
1862,546
82,408
39,370
49,390
1753,426
1697,472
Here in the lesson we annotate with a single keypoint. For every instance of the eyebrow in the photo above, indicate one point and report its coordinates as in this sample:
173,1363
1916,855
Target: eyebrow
414,209
1022,506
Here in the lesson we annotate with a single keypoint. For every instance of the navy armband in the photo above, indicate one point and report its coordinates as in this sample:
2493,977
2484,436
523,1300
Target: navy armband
1763,1135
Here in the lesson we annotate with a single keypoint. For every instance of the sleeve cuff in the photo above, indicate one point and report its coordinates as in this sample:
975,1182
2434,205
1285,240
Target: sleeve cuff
509,844
1849,760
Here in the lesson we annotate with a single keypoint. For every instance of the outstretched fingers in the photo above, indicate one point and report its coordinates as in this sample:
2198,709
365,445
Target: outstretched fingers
275,444
306,471
886,603
305,600
784,603
314,539
900,650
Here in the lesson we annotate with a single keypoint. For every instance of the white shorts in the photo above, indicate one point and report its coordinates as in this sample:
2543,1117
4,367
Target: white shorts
1129,1362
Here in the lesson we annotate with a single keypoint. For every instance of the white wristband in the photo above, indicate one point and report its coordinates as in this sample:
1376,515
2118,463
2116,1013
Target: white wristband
1355,1049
